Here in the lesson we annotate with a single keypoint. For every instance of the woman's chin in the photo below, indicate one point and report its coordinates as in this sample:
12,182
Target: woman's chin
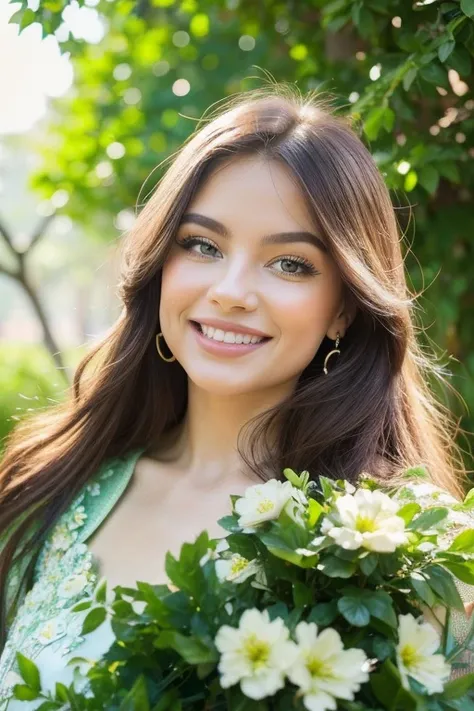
225,384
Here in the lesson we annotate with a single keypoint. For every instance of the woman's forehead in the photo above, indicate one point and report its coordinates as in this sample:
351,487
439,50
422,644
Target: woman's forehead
253,192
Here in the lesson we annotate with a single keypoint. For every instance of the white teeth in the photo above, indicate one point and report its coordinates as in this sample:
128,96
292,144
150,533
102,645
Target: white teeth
217,334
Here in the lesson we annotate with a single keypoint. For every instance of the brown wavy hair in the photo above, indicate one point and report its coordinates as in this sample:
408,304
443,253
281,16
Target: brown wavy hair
374,412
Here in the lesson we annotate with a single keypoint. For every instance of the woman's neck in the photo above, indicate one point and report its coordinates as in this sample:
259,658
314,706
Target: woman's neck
204,446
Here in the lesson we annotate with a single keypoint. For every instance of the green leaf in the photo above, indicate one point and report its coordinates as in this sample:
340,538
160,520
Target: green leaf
314,512
368,564
230,523
380,605
421,587
29,672
376,119
100,592
383,649
449,170
385,684
279,609
24,692
302,594
292,477
326,487
137,697
458,687
166,701
435,74
408,511
442,583
335,567
29,16
445,50
428,519
411,181
193,650
415,473
80,606
388,690
61,692
352,607
467,6
324,613
409,78
462,571
95,618
429,178
460,60
48,706
186,572
468,502
464,542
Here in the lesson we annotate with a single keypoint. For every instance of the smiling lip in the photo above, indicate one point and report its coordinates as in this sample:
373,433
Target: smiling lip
229,326
225,350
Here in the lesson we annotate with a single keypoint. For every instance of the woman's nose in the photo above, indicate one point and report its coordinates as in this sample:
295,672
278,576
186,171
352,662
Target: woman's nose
235,287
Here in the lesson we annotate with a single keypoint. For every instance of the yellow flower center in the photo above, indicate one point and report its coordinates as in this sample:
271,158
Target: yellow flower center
409,655
365,524
265,505
317,667
239,563
257,651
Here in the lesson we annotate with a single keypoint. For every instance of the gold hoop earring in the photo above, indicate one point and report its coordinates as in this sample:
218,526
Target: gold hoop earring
157,339
331,353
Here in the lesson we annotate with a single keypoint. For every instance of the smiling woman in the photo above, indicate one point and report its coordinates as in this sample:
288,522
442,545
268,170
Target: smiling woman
266,324
283,288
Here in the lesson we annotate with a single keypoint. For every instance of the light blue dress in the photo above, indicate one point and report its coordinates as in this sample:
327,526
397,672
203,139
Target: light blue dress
44,628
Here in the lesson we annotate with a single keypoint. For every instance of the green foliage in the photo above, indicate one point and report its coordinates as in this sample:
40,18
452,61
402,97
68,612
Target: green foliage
402,70
171,654
28,382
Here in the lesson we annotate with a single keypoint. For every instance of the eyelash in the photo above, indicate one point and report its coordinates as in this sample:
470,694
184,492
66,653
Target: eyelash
190,241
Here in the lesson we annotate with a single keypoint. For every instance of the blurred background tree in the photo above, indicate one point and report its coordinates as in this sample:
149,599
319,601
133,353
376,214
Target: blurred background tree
402,69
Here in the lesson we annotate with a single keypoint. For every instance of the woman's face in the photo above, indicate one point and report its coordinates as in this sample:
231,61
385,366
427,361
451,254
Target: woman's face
240,258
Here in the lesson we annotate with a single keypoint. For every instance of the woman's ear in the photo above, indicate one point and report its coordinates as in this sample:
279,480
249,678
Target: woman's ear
345,316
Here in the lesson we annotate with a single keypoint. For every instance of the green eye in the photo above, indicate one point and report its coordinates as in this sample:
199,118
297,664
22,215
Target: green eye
306,268
191,241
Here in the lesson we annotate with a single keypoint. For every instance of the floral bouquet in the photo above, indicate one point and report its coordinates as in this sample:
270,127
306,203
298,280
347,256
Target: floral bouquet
316,599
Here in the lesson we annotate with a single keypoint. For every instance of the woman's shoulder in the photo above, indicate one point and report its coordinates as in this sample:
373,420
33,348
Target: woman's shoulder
65,573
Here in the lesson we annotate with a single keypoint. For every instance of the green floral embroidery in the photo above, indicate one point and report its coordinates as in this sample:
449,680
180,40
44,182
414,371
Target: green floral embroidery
64,574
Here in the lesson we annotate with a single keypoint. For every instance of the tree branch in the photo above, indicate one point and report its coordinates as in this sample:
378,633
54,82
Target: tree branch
8,239
9,272
39,231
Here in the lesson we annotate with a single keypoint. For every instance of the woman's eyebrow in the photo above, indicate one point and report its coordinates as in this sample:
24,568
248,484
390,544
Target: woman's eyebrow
278,238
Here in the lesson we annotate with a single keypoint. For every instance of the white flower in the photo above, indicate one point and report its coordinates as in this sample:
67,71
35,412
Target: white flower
367,519
418,642
256,654
324,670
236,568
94,489
263,502
62,537
78,518
72,585
51,630
222,545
